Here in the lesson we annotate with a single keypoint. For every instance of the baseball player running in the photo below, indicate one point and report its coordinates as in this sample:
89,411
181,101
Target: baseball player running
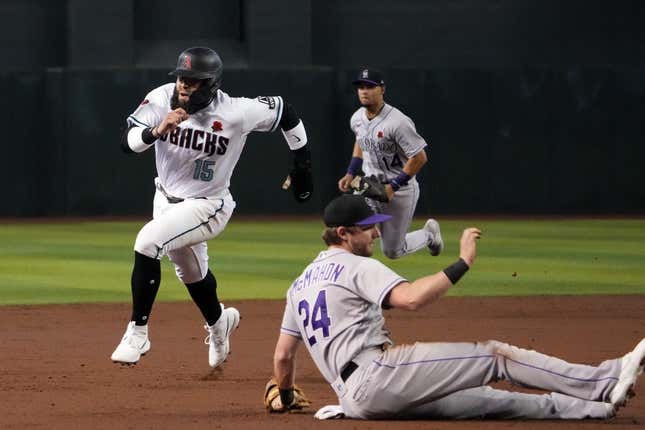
389,149
335,308
198,132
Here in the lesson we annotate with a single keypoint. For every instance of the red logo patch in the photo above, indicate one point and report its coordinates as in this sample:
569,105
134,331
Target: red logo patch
145,102
187,62
217,126
380,134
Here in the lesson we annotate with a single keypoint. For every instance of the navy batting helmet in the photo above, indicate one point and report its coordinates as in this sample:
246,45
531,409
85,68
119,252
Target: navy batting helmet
201,63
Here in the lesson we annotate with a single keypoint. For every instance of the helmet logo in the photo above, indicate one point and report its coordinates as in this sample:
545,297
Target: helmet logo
187,62
366,74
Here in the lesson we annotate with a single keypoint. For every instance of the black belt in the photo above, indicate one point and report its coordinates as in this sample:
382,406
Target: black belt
348,370
173,200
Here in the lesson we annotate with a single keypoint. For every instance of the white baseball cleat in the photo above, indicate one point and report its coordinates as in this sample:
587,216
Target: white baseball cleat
219,334
632,365
134,344
435,242
611,410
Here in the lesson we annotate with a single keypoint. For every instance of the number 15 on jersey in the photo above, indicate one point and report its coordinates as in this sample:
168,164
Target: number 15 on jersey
317,316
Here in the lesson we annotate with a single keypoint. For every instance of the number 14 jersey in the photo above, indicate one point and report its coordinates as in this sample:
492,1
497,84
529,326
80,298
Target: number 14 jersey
388,140
334,306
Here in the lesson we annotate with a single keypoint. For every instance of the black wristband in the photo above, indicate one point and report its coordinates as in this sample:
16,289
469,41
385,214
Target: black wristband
147,136
456,270
286,396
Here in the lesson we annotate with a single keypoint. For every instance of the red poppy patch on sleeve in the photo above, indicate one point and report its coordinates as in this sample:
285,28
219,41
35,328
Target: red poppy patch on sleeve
217,126
380,134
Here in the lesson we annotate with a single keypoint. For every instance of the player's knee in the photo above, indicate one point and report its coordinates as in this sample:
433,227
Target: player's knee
189,275
393,253
145,244
496,347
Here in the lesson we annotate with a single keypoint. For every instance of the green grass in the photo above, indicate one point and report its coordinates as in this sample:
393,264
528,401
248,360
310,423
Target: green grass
91,261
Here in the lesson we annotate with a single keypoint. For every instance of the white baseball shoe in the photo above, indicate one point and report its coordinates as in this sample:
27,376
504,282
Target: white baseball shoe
134,344
435,242
611,410
219,334
632,365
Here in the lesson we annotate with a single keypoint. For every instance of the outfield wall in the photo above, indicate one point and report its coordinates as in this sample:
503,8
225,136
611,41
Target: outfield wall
503,140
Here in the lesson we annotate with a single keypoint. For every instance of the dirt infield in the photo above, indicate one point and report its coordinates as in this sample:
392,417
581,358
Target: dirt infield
56,371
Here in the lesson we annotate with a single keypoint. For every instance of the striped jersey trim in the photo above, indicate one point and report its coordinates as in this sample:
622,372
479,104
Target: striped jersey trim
279,114
133,119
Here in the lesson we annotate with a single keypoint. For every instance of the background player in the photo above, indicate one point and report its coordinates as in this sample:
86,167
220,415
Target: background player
198,132
335,308
389,147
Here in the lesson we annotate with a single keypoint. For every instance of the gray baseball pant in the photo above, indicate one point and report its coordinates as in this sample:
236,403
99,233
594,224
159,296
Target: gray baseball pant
395,239
448,381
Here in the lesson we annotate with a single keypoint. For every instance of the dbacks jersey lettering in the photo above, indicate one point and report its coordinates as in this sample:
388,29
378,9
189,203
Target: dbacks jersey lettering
198,157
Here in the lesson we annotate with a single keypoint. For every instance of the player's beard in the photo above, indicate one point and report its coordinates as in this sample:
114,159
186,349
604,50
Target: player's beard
176,103
364,249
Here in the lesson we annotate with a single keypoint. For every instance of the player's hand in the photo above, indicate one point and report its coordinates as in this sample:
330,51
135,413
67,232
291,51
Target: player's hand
344,182
389,191
171,121
468,245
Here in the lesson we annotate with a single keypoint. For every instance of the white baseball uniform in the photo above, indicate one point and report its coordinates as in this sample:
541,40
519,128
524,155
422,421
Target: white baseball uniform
194,166
335,308
387,142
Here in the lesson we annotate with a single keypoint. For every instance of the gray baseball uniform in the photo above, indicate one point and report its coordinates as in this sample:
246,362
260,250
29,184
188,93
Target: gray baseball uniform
335,307
387,142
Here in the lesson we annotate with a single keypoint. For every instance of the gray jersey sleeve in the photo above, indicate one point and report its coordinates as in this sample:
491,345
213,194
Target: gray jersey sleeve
374,280
289,325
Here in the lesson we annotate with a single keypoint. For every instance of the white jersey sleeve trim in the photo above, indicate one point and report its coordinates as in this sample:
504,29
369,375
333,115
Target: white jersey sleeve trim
278,114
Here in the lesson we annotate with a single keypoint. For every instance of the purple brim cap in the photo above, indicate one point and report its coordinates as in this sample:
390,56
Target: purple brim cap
374,219
366,81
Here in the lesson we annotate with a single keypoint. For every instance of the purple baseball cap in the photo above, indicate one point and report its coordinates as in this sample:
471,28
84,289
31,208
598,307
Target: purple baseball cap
370,77
349,210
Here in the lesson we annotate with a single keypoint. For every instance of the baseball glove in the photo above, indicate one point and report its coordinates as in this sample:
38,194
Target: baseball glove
369,186
272,398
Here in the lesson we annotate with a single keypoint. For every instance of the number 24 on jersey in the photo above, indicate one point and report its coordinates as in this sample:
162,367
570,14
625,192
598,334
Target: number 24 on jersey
317,316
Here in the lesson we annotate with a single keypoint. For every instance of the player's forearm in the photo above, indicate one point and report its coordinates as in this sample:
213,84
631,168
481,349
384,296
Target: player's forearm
415,295
357,151
415,163
410,169
356,163
284,360
284,368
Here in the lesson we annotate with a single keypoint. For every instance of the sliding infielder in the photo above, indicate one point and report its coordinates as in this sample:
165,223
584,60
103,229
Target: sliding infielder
335,307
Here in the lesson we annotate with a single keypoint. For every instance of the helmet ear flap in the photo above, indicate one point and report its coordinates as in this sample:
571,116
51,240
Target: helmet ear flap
205,94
